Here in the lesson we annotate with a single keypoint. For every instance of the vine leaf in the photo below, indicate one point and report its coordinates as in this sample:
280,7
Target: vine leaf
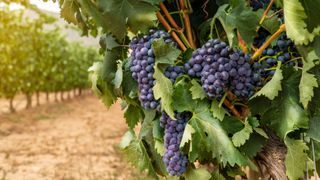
238,17
308,81
164,53
182,98
68,11
302,20
159,146
240,137
137,15
285,113
217,111
102,89
272,88
253,145
313,131
163,89
132,115
197,91
210,136
200,173
188,131
136,152
296,158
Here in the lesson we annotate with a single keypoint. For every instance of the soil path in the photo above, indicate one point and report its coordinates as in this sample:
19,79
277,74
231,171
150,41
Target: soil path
72,140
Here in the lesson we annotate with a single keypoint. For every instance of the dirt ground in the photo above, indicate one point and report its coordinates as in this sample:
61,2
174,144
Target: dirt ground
76,139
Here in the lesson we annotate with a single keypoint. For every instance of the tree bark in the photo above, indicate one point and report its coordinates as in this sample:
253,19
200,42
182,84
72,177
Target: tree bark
56,96
61,96
38,98
74,92
68,95
29,101
80,91
11,107
47,96
271,159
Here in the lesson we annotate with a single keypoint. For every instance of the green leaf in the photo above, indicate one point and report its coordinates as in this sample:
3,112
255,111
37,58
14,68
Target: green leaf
163,89
159,147
239,138
286,114
182,99
253,145
241,18
302,25
217,176
100,87
210,136
270,24
196,90
164,53
188,131
109,41
272,88
118,76
307,83
259,105
148,124
296,158
217,112
137,154
69,9
137,15
126,139
313,131
200,173
132,115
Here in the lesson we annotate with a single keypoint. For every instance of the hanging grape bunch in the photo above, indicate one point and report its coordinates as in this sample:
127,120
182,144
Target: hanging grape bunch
142,62
175,161
221,69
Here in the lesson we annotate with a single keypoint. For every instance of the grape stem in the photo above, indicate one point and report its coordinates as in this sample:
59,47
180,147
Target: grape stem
173,34
265,13
281,29
242,43
234,111
187,23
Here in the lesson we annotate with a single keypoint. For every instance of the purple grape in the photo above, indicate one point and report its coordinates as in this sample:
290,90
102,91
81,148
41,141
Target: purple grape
175,161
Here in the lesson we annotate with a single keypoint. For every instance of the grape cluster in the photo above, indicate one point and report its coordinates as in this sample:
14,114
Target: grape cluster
284,50
222,68
210,63
173,72
175,161
141,66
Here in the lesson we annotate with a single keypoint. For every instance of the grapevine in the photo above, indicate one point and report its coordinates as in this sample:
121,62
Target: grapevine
214,85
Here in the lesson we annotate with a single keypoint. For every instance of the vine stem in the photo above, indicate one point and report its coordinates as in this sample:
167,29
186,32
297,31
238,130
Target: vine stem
173,34
268,42
176,28
265,13
187,24
232,108
170,18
